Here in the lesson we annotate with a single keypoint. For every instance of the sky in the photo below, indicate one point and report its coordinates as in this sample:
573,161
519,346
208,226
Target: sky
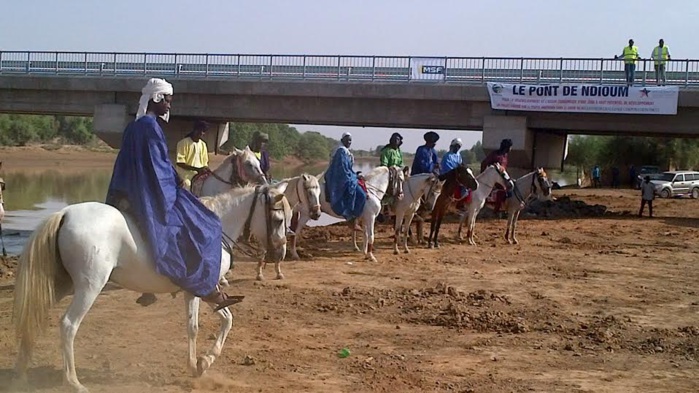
511,28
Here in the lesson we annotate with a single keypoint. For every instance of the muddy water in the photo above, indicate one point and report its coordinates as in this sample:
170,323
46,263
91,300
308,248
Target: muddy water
32,196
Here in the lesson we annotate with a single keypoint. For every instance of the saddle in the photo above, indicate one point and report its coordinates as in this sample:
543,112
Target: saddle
197,182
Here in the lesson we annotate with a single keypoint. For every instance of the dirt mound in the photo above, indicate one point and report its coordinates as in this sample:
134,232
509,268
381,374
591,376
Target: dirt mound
8,267
564,207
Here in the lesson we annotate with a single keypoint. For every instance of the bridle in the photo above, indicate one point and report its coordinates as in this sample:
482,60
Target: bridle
305,184
238,176
246,247
392,184
539,177
506,177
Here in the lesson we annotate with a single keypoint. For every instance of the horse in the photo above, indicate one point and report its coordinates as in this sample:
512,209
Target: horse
534,185
238,169
85,245
379,182
303,194
493,174
461,176
425,186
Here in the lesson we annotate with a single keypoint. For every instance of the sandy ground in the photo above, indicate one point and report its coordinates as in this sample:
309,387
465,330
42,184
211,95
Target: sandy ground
606,304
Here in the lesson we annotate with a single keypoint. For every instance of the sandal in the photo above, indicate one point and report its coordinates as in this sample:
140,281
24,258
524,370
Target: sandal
222,299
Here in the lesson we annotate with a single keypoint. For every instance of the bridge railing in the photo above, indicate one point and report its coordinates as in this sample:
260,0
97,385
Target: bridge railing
461,70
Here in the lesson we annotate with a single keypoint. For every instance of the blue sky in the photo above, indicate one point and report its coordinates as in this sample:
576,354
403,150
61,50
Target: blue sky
529,28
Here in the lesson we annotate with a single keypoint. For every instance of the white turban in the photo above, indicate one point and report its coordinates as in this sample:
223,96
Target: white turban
344,134
156,89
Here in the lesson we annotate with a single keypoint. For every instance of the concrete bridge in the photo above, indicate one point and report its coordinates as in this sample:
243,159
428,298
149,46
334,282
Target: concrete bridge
333,90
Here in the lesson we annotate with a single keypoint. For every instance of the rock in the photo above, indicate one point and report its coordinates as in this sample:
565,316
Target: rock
249,361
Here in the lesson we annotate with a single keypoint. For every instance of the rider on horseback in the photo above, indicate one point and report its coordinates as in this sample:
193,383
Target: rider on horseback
451,160
184,236
500,156
343,188
192,154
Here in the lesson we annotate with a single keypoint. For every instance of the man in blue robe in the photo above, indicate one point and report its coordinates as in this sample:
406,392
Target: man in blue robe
184,236
426,160
451,160
342,185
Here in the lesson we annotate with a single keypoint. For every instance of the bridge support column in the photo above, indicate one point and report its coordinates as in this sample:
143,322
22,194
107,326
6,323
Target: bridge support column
497,128
109,122
550,149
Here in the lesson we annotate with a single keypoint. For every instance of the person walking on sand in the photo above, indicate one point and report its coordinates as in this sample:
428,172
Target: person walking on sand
647,196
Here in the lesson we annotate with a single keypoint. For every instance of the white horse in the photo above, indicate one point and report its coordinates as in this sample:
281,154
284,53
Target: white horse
415,188
82,247
534,185
493,174
378,182
238,169
303,194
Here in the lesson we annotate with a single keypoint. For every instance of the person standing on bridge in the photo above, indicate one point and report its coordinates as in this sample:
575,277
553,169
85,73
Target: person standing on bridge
660,55
184,237
259,148
344,190
630,56
192,154
426,160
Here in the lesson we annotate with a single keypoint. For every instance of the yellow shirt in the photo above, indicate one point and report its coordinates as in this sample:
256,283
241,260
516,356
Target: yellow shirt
191,153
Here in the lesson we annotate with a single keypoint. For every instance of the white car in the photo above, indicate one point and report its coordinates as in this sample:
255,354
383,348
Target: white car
676,183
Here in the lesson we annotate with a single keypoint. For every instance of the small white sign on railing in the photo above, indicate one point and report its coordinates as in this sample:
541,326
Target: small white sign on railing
428,68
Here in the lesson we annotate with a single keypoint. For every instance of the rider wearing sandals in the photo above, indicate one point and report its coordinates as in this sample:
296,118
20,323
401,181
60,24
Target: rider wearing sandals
184,236
344,189
498,156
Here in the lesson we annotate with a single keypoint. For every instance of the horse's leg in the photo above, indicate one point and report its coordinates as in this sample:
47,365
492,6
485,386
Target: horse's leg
191,304
205,362
462,218
397,232
369,237
472,226
354,241
514,227
510,219
86,291
303,219
260,263
408,221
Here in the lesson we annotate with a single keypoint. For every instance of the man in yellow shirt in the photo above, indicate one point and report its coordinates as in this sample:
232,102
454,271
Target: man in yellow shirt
192,154
630,56
661,55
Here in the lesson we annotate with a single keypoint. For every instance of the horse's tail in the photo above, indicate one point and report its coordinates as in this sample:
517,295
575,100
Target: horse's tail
38,271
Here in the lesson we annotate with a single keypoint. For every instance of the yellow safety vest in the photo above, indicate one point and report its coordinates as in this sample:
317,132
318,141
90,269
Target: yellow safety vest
660,55
630,54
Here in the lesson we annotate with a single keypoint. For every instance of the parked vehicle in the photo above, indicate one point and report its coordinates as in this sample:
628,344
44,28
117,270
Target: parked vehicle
676,183
644,171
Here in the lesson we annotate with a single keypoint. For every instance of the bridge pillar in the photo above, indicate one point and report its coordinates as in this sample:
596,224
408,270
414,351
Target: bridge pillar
109,122
549,149
497,128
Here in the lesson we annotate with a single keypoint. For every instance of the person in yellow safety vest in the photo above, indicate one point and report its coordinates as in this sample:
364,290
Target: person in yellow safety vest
630,56
661,55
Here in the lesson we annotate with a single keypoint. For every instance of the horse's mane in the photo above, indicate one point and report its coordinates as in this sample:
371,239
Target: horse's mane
375,172
232,197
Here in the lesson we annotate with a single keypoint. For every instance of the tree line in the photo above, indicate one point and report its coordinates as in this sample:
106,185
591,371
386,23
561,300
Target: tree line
20,130
625,151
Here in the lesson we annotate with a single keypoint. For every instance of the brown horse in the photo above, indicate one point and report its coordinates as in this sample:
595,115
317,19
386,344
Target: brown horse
461,176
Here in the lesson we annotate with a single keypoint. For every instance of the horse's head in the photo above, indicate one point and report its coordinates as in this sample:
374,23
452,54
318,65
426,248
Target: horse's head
272,222
465,177
311,188
432,192
542,184
248,167
396,177
503,177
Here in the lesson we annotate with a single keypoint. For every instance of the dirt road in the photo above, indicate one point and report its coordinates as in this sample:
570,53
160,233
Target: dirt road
608,304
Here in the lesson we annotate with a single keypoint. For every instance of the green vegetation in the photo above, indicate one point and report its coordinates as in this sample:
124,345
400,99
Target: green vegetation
624,151
20,130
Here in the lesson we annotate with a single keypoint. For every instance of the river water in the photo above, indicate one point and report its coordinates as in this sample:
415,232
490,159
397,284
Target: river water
33,195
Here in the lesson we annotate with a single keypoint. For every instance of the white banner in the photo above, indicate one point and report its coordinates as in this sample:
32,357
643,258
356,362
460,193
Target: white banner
584,98
429,68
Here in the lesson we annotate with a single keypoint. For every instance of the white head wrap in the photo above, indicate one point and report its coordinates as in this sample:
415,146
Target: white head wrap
156,89
344,134
456,141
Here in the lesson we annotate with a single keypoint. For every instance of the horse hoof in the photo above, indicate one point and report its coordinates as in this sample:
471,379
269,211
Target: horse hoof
515,241
280,276
202,365
259,277
436,245
395,252
406,251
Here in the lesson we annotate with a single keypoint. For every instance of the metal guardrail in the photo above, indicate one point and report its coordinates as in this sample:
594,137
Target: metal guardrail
460,70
